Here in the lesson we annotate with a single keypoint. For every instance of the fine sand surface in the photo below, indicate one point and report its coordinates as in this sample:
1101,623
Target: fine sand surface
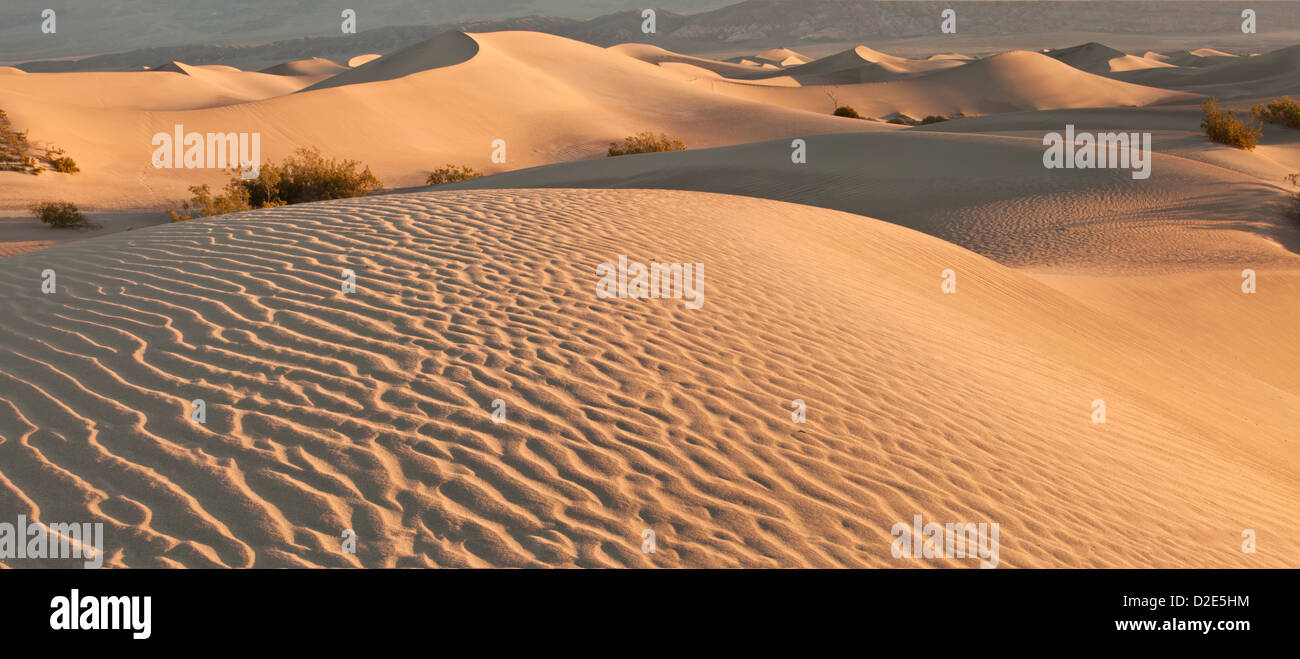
371,411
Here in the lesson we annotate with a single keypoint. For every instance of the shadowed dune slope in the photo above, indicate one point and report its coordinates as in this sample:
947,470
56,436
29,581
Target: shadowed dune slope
1200,57
990,194
447,49
1270,74
1098,58
659,56
863,64
372,411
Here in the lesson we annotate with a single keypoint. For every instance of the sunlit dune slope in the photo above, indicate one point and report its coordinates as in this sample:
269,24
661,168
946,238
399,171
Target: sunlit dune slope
372,411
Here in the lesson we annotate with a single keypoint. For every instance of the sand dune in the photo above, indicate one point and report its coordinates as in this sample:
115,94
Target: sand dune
312,66
444,50
782,57
777,54
1009,82
1270,74
1098,58
175,86
362,59
1190,214
524,88
656,55
862,64
772,58
1194,58
371,411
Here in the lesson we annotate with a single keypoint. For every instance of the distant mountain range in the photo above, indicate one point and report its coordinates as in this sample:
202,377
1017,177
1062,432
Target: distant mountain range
753,23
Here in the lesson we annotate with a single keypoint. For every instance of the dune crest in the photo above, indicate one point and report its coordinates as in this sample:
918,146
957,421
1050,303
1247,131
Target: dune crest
311,66
863,64
445,50
362,59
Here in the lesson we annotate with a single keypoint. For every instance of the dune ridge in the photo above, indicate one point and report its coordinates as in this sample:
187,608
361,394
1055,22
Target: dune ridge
1008,82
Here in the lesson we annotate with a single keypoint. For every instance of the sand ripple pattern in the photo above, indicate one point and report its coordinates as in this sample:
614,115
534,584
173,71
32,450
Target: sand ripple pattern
372,411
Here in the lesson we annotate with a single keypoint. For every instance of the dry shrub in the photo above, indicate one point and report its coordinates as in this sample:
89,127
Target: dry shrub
451,174
1224,127
645,142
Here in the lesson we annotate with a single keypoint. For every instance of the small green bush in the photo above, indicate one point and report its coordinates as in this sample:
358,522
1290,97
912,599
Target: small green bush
59,214
1224,127
452,173
898,121
933,119
1285,111
846,111
645,142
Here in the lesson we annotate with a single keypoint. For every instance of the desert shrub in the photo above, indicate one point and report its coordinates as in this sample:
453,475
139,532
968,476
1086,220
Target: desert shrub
1285,111
1224,127
13,148
899,121
645,142
60,162
65,165
452,173
933,119
306,176
846,111
59,214
303,177
15,153
204,204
